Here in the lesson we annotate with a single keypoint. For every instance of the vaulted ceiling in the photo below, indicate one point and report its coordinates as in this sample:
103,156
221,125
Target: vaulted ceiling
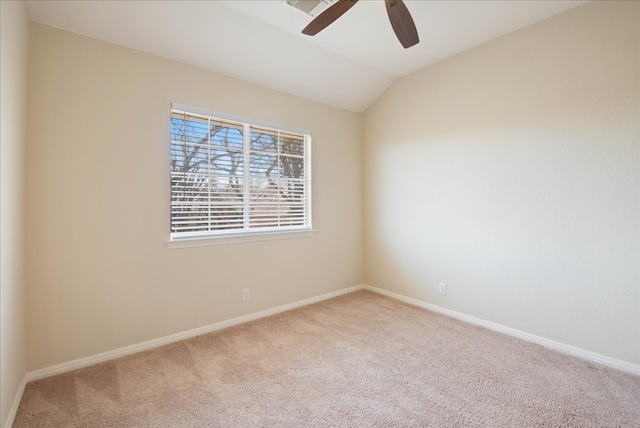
347,65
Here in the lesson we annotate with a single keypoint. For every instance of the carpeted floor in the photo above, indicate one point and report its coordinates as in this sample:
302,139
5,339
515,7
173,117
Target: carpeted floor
360,360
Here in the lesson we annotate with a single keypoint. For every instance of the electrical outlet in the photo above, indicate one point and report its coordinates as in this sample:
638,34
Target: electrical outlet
442,288
245,295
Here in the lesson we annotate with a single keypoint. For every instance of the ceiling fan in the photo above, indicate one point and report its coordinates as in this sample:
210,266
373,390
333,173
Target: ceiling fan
399,15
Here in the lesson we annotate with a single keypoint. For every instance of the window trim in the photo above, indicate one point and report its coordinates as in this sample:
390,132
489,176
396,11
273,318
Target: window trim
231,238
198,239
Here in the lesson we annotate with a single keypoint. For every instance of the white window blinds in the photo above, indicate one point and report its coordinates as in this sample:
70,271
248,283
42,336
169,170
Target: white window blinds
231,177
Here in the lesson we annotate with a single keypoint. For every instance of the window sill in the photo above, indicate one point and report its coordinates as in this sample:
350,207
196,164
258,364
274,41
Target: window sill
202,241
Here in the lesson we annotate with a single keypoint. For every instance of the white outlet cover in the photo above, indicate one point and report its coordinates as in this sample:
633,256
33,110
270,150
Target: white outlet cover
442,288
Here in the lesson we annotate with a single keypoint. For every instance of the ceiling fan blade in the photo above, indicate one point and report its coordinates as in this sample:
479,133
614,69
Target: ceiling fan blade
323,20
402,23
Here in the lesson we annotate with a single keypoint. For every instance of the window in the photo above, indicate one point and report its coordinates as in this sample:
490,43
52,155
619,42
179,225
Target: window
231,178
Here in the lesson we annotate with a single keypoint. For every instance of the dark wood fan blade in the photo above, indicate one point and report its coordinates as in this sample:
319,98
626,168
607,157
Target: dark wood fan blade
323,20
402,23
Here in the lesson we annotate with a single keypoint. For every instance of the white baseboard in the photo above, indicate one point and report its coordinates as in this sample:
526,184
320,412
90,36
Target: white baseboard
16,403
548,343
155,343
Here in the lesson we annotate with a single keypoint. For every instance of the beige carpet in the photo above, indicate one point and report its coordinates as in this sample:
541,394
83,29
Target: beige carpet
360,360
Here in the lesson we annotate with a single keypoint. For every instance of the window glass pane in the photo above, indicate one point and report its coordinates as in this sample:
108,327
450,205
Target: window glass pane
291,144
291,167
264,140
227,162
187,128
264,165
191,158
227,134
263,191
189,202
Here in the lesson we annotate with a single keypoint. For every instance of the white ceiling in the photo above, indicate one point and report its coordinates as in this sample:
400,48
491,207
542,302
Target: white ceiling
347,65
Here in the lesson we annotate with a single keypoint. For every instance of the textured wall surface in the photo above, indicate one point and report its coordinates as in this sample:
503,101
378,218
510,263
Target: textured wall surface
511,172
99,273
13,94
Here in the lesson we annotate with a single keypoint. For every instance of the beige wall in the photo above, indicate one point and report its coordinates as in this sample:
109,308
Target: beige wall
13,86
99,273
511,172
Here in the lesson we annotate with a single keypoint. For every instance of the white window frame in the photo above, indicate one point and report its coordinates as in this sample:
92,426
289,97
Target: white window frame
198,239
